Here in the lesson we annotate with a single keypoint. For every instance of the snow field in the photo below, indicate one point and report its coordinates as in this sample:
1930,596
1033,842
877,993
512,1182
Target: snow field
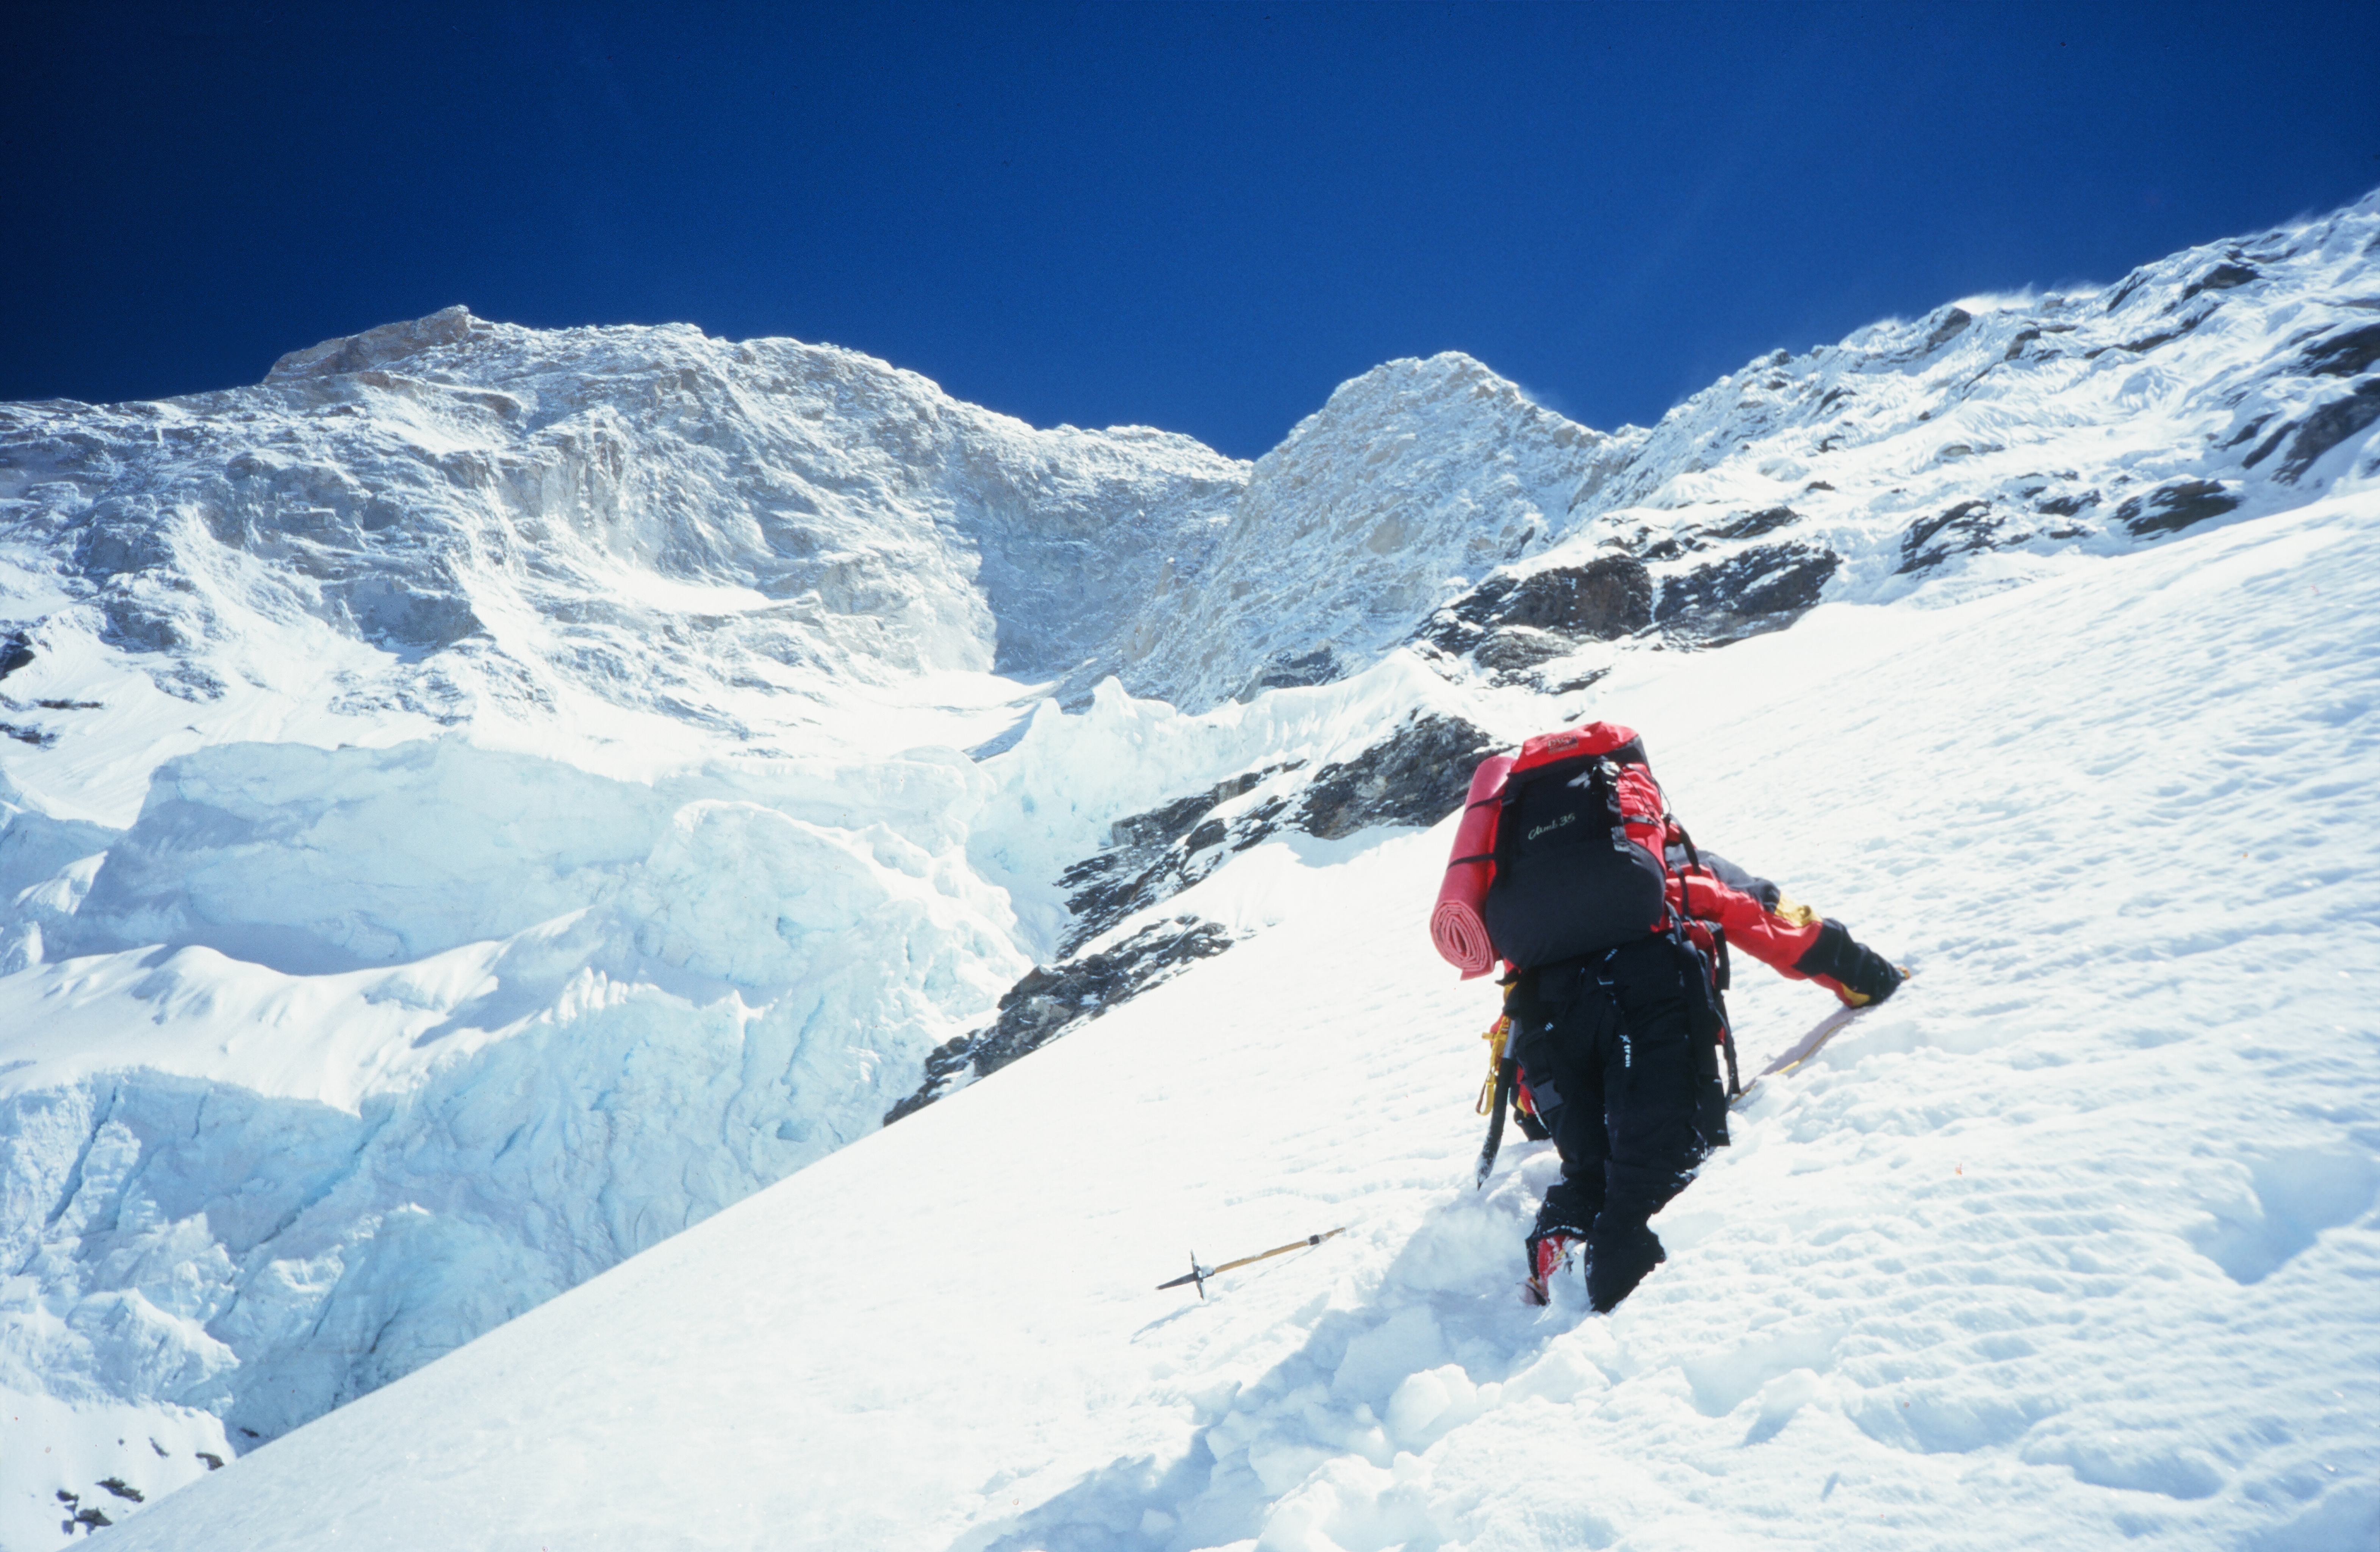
143,1450
2073,1243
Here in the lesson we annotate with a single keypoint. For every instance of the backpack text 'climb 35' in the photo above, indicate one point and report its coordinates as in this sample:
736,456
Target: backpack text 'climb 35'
1579,839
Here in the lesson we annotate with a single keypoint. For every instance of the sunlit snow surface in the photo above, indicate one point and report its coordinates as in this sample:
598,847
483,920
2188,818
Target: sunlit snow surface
2073,1244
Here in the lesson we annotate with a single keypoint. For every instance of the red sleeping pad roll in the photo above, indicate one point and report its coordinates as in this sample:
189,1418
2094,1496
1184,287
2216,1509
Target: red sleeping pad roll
1455,925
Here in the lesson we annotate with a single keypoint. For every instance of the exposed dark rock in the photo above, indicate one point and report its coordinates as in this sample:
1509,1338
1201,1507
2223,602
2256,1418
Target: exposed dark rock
1151,857
1049,1002
1483,603
2180,326
16,651
2067,504
71,705
1762,589
214,1463
1162,826
1751,525
32,735
90,1517
1952,324
2017,344
1317,667
1416,776
2329,426
2222,277
2177,505
2270,445
1510,626
2131,283
117,1485
1608,598
2183,323
1509,650
1968,526
1816,485
376,348
2344,355
2244,433
1572,686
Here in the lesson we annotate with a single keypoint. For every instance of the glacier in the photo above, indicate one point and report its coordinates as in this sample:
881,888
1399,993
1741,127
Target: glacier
486,801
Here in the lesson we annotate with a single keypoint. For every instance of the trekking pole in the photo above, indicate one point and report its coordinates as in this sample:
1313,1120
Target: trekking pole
1507,1072
1200,1274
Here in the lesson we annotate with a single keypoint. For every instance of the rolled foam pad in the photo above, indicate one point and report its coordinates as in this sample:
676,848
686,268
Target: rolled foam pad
1461,937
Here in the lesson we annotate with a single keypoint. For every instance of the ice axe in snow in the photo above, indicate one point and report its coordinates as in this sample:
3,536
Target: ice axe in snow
1200,1274
1507,1072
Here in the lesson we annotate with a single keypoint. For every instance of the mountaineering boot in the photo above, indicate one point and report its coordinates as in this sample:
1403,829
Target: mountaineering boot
1618,1257
1548,1255
1561,1230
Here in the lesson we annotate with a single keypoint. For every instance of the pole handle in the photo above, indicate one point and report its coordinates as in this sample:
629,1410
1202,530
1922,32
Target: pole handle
1200,1274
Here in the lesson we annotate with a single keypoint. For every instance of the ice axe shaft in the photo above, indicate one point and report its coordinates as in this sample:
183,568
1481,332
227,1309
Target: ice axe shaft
1507,1072
1200,1274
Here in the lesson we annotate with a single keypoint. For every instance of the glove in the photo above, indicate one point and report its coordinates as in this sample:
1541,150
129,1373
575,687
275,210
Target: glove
1861,974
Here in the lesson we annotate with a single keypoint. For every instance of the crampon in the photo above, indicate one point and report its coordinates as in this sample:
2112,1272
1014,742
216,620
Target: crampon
1548,1257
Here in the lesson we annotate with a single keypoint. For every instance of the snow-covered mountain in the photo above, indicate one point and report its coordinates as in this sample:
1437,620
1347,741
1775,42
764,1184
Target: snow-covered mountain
487,799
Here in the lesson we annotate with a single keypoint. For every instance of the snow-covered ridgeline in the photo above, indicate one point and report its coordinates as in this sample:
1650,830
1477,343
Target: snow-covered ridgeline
1986,443
662,521
722,533
468,818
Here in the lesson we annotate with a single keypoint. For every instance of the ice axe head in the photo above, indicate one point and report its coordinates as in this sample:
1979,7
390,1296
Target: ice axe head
1196,1274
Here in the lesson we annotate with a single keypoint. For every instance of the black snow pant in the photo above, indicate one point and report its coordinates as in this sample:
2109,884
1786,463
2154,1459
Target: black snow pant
1610,1052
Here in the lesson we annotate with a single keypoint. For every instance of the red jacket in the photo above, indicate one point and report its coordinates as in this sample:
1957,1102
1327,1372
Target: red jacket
1755,914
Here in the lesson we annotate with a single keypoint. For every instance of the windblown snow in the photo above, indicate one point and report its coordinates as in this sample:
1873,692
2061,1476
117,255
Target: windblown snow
484,804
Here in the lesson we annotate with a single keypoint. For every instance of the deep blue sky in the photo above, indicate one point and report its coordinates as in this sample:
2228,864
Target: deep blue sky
1197,217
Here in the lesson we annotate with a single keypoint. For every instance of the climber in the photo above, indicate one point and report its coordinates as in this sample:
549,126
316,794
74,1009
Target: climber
1615,933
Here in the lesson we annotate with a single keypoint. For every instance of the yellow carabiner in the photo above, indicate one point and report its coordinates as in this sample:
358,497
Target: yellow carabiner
1495,1038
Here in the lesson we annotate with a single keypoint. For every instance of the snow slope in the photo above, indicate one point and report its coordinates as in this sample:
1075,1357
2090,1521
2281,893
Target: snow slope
487,799
2073,1244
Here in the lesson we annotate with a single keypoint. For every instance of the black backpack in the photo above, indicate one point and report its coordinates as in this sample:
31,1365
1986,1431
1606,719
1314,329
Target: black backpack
1569,881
